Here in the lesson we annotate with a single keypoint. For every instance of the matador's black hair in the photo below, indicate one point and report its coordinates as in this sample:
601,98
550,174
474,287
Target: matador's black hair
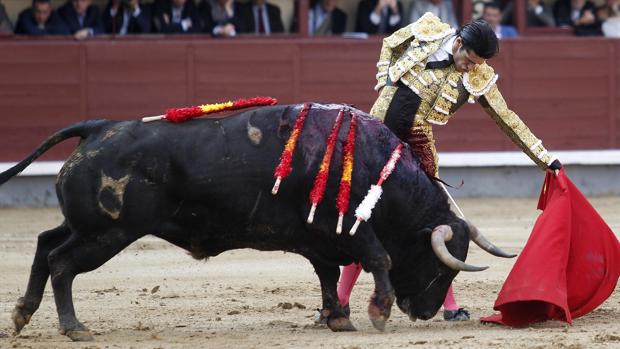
479,37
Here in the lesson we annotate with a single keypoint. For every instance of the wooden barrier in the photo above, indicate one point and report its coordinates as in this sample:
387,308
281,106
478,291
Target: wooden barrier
564,88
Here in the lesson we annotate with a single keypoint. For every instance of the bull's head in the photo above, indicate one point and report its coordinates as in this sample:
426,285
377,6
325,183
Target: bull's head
430,261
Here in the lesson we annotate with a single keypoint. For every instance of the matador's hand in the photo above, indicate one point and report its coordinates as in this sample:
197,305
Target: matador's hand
555,166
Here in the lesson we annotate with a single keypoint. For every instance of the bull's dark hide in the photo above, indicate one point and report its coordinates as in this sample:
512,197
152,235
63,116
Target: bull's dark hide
204,185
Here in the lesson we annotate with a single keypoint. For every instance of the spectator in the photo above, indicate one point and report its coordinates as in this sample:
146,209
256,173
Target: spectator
177,16
379,16
579,14
40,19
493,16
126,17
478,8
222,17
263,18
537,14
5,22
609,14
325,18
440,8
82,18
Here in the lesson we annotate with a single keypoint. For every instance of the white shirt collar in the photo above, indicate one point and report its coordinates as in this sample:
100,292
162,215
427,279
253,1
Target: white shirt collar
444,51
447,46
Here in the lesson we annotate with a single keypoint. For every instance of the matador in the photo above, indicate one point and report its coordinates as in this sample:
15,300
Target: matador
426,71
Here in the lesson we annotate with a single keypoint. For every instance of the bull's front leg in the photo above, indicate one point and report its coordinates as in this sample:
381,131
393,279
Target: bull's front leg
365,246
337,319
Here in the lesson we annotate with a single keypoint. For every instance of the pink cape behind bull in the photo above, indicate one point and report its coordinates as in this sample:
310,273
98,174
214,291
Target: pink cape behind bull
569,266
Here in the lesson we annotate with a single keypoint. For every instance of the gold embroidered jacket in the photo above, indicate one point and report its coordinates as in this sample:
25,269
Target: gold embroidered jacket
404,56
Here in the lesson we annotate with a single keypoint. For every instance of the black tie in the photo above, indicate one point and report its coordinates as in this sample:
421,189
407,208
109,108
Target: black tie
440,64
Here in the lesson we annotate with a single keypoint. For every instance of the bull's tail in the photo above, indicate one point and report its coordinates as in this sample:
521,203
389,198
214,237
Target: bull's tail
81,129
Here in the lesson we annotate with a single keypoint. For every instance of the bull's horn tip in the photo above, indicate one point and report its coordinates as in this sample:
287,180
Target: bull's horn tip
474,268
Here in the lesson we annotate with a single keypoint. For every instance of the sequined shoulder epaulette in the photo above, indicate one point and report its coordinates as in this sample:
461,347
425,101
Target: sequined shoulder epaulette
429,28
479,80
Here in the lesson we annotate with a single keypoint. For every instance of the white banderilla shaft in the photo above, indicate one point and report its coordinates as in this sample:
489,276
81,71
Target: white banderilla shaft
452,200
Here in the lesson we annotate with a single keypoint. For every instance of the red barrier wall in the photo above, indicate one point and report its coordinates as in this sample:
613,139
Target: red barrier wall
565,89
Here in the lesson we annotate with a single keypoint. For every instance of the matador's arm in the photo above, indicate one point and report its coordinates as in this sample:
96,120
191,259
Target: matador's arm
393,41
383,65
494,104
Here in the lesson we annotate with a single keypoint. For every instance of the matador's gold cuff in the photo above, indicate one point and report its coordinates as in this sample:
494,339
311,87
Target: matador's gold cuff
382,77
542,154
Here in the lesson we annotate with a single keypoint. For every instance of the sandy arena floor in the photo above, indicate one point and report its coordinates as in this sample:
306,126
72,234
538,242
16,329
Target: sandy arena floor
153,295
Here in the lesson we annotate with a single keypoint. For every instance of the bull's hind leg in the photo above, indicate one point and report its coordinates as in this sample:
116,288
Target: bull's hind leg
374,258
337,320
80,254
29,303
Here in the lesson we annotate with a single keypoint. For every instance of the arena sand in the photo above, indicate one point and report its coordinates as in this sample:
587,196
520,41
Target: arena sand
153,295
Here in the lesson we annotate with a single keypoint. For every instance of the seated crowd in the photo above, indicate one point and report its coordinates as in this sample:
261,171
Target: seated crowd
82,19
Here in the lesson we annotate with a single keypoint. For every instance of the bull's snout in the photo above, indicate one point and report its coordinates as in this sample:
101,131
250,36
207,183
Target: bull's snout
405,306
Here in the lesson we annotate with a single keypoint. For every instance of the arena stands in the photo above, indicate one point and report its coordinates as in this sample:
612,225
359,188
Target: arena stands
533,17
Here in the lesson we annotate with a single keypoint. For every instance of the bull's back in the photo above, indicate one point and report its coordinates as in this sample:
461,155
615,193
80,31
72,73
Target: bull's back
139,175
131,170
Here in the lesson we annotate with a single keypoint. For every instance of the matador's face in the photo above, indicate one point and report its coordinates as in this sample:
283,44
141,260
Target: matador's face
464,60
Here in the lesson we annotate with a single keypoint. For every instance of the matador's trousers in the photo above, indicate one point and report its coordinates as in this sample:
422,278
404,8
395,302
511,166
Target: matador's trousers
397,106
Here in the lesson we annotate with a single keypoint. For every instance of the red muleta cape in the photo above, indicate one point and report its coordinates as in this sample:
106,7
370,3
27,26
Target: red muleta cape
570,263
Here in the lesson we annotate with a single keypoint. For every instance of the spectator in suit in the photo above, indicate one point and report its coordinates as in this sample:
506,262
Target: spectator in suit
325,18
579,14
5,22
379,16
492,14
440,8
537,14
82,18
40,19
177,16
221,17
126,17
609,14
263,18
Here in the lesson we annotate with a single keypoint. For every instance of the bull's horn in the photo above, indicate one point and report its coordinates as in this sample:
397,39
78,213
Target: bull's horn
439,236
476,236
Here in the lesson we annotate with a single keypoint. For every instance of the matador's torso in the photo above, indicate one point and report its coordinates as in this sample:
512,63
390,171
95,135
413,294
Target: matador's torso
404,58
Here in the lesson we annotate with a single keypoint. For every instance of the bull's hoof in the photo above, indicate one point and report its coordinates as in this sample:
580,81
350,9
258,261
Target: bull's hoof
19,316
379,322
379,315
340,324
80,335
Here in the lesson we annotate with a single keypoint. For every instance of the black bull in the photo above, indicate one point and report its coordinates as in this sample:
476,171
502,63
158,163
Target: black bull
204,185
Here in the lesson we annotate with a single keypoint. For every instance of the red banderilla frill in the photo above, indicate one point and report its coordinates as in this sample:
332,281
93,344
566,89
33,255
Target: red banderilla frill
320,181
284,167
